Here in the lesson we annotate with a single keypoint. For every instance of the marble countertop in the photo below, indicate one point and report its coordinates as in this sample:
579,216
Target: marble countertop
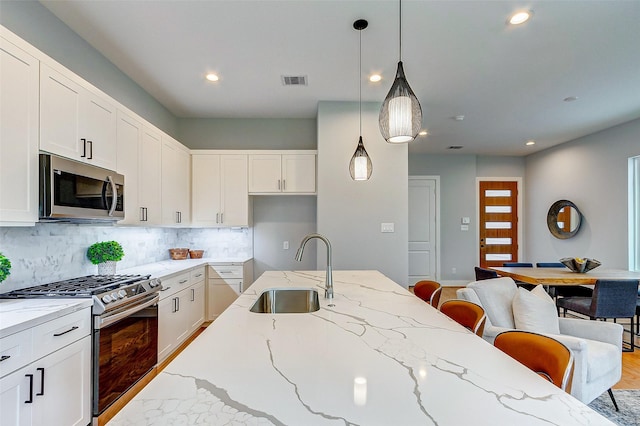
165,268
19,314
380,356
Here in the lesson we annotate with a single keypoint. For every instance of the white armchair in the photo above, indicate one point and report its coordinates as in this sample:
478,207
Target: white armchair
596,345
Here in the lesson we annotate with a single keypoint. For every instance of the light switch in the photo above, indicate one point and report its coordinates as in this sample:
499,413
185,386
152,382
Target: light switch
466,220
386,227
285,245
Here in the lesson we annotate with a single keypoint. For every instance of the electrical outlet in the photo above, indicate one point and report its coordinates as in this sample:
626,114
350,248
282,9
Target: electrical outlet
453,270
285,245
387,227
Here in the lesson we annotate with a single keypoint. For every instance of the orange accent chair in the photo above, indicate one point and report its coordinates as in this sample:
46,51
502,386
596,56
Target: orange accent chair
544,355
465,313
429,291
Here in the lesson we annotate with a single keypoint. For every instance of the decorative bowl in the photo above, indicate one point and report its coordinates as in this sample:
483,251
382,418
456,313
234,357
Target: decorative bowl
196,254
580,264
178,253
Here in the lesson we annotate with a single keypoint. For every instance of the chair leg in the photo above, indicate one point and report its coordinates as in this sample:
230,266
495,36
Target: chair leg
613,399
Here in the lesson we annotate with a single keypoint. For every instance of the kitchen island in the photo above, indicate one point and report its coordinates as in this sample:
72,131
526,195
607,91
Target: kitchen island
379,356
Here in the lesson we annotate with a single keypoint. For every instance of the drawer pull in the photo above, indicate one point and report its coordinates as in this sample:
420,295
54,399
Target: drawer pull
41,370
182,281
4,357
30,400
198,275
165,288
75,327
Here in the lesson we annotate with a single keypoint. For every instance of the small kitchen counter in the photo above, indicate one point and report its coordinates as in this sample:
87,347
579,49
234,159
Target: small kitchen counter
379,356
20,314
169,267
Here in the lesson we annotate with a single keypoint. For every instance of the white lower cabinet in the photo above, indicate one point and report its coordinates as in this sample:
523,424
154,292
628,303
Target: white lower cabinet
180,310
56,388
225,282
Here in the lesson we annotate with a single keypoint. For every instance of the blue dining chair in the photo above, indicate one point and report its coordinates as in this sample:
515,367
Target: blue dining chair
564,291
517,265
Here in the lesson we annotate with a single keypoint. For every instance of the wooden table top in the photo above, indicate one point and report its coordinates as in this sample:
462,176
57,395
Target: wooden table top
563,276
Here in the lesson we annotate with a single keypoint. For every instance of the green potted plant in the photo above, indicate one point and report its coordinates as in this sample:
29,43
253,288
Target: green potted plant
5,267
105,254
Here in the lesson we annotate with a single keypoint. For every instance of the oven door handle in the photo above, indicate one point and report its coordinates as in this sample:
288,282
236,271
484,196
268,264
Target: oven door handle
114,196
108,320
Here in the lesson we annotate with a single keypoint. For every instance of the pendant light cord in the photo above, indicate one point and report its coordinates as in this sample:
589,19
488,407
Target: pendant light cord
400,29
360,82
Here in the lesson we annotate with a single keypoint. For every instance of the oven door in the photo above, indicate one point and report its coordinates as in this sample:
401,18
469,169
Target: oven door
125,349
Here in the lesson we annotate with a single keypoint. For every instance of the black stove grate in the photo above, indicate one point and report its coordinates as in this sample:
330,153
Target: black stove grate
77,287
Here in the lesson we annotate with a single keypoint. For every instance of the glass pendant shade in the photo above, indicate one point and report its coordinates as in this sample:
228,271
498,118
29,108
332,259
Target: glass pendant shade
360,166
401,115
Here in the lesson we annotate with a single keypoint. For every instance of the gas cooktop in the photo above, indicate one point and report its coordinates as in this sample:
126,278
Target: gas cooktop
77,287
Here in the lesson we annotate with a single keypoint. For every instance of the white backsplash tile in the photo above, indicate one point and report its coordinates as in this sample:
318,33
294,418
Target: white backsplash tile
55,251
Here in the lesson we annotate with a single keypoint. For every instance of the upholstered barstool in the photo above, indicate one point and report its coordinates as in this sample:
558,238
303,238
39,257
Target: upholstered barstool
429,291
465,313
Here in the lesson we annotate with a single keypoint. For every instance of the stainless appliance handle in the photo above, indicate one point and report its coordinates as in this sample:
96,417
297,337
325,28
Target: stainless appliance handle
114,198
110,319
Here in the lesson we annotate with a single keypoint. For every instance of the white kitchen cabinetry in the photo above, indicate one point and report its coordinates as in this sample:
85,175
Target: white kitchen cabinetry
219,190
149,172
74,122
293,173
180,310
129,137
176,190
54,387
19,94
226,281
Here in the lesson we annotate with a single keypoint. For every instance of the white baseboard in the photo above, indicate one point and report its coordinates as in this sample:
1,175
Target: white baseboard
454,283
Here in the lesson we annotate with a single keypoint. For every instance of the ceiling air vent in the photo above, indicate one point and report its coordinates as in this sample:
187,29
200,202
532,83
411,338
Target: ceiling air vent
294,80
455,147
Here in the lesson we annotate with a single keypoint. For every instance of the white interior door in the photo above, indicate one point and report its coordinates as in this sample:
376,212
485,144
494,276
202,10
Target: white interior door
423,227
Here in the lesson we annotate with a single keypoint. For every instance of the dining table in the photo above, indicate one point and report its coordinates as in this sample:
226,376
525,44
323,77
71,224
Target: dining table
563,276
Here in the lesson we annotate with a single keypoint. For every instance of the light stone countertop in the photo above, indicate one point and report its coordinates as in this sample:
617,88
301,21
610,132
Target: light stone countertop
20,314
169,267
380,356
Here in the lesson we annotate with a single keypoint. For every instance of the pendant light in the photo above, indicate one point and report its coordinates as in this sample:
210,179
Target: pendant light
360,166
400,116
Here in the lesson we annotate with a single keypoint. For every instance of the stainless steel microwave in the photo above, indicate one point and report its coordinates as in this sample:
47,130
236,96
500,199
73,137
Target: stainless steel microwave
76,192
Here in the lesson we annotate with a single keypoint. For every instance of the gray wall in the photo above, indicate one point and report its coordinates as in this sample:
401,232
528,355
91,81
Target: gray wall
349,212
278,219
36,25
591,171
247,133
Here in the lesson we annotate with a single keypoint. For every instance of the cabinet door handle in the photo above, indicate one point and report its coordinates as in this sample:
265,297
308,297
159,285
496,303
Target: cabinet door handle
217,217
90,157
146,214
177,217
284,184
193,295
75,327
30,400
84,148
278,184
141,214
177,304
221,217
41,370
4,357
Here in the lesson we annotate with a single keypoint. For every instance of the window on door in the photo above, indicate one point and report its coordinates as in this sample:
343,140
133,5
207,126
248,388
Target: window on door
634,213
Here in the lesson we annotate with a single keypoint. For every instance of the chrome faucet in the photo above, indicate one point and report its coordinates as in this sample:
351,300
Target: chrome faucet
328,287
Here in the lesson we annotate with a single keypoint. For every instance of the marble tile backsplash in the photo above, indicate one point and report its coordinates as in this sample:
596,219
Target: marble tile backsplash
55,251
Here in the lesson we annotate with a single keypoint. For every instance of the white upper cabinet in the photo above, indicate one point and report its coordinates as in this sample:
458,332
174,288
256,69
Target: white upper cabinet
176,189
293,173
219,190
149,173
129,138
74,122
19,91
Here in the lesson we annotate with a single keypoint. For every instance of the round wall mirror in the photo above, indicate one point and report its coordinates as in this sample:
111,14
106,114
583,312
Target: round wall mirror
563,219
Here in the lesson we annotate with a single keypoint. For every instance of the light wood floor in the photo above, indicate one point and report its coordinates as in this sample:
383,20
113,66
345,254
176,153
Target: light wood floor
630,360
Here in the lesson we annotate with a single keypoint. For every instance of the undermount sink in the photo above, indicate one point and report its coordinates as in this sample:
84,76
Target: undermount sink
287,301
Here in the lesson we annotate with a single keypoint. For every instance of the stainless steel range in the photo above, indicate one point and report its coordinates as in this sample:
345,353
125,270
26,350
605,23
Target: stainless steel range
125,328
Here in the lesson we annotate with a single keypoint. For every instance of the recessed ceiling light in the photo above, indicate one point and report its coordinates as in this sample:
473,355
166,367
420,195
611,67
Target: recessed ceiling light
520,17
529,143
374,78
212,77
423,133
571,98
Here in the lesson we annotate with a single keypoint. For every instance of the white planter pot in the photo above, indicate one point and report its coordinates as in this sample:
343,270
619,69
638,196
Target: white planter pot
107,268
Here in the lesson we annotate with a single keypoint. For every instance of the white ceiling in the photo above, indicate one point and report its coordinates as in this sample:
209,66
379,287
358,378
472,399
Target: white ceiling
460,57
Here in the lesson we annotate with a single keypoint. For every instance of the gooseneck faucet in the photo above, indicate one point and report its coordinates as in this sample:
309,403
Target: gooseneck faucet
328,288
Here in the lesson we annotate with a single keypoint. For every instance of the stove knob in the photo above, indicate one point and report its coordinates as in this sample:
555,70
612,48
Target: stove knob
122,294
154,282
114,296
106,298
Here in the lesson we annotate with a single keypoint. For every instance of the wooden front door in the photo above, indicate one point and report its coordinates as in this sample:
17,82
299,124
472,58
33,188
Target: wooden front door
498,222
